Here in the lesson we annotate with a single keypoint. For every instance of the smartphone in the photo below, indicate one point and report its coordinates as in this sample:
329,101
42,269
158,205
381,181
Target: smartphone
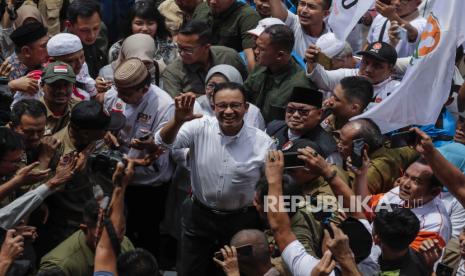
404,139
245,250
291,161
145,137
387,2
444,270
357,152
324,61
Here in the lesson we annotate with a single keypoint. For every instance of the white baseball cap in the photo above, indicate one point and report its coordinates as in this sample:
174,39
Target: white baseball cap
330,45
63,44
265,23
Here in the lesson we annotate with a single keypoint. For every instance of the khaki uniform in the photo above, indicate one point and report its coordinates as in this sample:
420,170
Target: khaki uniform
74,257
230,28
179,77
386,166
56,123
321,195
307,230
271,92
67,205
50,11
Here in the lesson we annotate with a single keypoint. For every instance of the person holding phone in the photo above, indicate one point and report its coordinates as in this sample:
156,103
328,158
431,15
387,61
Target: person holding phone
398,23
386,164
223,174
248,254
377,64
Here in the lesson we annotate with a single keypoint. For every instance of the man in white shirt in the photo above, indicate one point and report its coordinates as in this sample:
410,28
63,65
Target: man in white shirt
399,24
226,161
377,65
147,108
308,25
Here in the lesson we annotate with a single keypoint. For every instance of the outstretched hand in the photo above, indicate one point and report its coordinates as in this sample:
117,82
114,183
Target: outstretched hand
184,108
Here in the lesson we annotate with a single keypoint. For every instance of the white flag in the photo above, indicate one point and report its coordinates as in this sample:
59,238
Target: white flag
419,98
345,14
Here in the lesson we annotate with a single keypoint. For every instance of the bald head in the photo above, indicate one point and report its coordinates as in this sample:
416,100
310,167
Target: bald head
365,129
260,251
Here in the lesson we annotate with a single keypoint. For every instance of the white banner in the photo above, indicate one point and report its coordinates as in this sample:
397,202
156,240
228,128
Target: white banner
345,14
419,98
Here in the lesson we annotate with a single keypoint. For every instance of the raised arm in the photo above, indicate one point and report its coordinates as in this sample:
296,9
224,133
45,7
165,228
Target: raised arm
448,174
315,163
105,256
278,219
278,10
184,112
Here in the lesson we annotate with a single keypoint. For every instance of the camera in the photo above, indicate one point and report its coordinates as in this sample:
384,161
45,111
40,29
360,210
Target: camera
105,162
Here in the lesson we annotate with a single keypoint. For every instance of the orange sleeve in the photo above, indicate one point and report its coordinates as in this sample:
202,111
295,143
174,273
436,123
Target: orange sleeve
424,235
374,200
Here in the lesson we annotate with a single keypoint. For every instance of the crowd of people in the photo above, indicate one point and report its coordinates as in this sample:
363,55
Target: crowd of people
219,137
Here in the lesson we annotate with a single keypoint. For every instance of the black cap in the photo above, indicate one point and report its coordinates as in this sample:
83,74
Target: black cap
360,240
28,33
307,96
381,51
92,115
293,146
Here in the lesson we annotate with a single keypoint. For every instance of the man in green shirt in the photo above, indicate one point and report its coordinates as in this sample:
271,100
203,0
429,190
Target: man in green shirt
270,84
229,21
196,56
75,255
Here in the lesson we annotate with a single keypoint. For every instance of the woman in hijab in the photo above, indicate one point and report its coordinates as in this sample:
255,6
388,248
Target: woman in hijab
226,73
139,46
24,15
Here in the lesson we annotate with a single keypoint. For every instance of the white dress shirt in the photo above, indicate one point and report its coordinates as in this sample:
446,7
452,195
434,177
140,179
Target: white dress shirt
224,169
150,115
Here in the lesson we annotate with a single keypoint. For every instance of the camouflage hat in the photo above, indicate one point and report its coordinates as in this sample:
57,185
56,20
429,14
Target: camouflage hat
58,71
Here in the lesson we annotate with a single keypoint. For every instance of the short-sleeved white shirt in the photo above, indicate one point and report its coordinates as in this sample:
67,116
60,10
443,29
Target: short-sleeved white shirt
302,40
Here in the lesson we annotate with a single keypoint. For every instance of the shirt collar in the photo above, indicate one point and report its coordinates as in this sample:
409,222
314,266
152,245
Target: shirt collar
234,137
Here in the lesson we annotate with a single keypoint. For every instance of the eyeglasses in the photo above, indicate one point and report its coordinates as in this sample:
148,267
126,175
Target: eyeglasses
233,106
302,112
212,85
187,51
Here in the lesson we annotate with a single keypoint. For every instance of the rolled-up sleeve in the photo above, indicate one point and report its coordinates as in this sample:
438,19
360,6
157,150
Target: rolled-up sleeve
298,260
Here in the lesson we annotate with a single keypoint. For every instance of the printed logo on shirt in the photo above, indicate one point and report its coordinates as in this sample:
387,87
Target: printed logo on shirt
143,118
287,145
